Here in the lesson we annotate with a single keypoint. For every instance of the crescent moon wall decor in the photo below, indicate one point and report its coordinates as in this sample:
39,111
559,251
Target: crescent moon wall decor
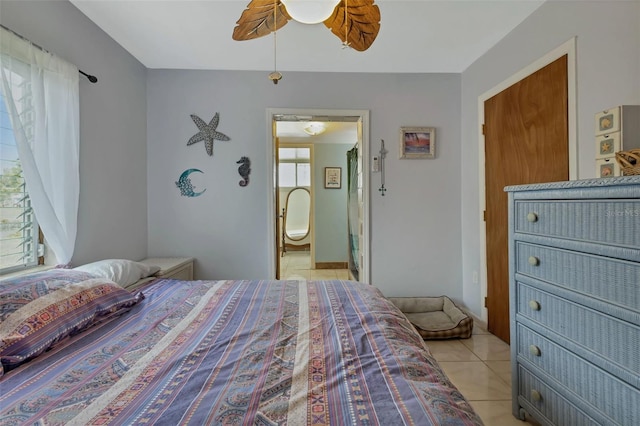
185,185
207,133
244,170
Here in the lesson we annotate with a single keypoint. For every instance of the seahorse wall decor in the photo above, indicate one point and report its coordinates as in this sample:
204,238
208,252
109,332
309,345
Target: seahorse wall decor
244,170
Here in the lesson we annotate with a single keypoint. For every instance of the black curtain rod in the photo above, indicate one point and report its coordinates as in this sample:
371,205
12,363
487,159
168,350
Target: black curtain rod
91,78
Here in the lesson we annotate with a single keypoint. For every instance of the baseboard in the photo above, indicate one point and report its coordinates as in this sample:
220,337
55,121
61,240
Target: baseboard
477,321
298,247
332,265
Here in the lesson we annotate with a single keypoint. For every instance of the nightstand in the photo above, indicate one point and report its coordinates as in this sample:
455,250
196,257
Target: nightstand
175,268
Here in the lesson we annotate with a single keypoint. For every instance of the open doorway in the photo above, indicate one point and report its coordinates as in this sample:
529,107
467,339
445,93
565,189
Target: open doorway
283,125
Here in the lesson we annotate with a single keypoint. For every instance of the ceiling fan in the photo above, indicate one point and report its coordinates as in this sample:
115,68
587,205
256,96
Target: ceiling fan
355,22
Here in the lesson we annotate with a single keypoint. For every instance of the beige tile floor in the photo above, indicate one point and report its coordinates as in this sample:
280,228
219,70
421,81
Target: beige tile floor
297,265
479,366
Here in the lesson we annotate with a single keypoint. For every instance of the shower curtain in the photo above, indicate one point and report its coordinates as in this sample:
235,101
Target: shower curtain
352,210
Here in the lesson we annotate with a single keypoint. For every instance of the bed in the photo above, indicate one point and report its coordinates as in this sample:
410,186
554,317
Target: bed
219,352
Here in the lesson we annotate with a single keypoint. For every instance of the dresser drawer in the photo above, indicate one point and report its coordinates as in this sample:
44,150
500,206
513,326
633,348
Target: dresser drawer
607,167
595,386
184,273
556,410
607,145
608,337
175,268
613,222
612,280
608,121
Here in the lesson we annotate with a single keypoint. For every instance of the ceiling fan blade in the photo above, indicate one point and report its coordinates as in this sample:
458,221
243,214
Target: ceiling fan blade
258,20
363,23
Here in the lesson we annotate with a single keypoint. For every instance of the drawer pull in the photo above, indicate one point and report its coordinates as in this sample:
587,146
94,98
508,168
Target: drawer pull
534,261
534,350
532,217
535,305
535,395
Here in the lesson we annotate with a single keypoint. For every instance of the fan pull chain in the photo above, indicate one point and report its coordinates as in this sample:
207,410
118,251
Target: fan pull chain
275,76
346,43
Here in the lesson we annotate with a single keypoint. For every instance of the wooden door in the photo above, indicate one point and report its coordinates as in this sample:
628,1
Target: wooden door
526,141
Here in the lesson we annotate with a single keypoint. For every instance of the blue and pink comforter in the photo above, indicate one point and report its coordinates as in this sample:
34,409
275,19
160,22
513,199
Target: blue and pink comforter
241,352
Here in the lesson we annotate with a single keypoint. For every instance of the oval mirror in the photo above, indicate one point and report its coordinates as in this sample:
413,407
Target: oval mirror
297,214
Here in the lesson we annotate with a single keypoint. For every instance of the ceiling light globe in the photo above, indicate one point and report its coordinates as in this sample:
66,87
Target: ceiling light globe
314,128
310,11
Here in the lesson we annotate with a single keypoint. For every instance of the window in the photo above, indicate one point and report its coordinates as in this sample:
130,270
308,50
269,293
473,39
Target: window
40,92
19,232
294,168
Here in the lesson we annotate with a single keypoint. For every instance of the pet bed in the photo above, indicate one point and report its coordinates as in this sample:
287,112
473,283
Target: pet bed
435,318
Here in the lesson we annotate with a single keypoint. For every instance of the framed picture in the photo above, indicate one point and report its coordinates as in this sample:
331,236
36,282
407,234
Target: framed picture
333,177
417,142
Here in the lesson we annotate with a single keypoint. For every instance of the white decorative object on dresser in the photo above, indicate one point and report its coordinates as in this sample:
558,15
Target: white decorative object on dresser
175,268
574,259
617,129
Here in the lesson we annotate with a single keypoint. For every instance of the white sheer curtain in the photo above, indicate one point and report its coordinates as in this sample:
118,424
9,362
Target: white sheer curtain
42,93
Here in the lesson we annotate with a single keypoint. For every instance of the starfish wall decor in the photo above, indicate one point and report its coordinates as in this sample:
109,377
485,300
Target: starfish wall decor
207,133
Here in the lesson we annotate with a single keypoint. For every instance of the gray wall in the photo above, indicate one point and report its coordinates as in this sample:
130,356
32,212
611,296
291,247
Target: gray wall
415,228
330,204
112,217
424,232
608,74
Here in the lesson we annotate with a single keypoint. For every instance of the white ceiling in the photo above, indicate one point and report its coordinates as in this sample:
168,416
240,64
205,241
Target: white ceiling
336,132
416,36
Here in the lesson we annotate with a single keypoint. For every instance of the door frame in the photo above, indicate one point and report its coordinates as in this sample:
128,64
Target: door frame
363,144
567,48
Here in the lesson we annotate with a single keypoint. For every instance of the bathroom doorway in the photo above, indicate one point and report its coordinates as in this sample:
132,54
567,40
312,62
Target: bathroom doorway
288,127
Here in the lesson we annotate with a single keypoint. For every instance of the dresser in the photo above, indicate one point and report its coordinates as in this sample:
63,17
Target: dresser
574,260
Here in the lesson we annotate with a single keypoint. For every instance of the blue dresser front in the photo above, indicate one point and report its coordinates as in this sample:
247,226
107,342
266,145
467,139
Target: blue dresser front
574,259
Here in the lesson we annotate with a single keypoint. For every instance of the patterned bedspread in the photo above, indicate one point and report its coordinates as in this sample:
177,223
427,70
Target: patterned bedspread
241,352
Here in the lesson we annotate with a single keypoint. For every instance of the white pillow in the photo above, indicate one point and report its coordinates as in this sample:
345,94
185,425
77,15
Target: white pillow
121,271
